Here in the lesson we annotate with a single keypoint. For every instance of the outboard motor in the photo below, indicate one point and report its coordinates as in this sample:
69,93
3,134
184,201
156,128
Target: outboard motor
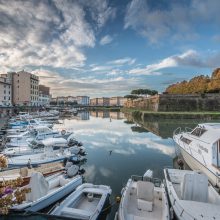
72,171
72,142
79,144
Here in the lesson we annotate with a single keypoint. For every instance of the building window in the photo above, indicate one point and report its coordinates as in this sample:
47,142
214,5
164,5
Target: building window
4,97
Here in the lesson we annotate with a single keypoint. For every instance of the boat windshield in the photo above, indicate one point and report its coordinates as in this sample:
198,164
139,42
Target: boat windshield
198,131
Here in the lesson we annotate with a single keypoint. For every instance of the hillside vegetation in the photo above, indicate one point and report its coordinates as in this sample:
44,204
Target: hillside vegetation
198,84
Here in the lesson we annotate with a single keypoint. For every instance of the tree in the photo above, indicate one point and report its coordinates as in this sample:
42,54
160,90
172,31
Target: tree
144,92
199,84
131,96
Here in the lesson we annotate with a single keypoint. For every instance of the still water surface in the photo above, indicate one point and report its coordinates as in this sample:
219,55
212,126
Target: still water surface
118,148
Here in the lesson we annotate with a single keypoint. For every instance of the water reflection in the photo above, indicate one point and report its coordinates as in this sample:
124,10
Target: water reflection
117,149
164,127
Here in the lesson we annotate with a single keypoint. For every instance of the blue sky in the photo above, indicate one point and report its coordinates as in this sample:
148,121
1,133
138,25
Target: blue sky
107,48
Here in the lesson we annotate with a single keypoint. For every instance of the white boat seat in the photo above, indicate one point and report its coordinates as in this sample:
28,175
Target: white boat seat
145,196
76,213
56,182
194,187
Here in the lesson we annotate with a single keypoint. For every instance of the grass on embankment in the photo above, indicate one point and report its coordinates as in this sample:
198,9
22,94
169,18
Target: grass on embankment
172,115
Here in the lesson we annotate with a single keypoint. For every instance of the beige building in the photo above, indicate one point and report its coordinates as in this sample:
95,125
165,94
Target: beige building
104,101
117,101
94,101
25,88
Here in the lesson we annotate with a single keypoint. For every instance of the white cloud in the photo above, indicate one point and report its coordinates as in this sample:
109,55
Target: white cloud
54,34
153,144
123,61
107,39
179,20
190,58
90,85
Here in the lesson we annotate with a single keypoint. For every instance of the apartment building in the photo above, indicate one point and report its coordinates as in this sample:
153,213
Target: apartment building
44,95
82,100
5,90
117,101
25,89
94,101
104,101
72,99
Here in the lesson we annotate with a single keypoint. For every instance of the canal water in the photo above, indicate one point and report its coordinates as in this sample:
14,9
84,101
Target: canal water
118,147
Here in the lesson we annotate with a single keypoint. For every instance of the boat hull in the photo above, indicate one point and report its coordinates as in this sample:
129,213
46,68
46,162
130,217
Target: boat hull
196,165
34,164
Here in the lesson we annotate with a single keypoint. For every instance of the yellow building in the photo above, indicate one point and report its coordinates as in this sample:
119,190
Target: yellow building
25,88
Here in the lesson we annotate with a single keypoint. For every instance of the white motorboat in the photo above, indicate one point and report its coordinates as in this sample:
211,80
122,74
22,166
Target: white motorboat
143,198
86,202
35,134
191,195
31,122
48,156
38,147
200,149
47,190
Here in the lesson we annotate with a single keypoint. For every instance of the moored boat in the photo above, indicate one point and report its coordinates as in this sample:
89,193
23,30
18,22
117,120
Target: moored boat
48,156
143,198
25,173
200,148
86,202
191,195
47,190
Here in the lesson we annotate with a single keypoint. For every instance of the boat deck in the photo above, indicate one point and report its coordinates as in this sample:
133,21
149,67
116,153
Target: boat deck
156,214
85,204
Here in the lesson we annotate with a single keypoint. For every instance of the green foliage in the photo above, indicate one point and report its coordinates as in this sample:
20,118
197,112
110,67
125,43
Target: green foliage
144,92
199,84
131,96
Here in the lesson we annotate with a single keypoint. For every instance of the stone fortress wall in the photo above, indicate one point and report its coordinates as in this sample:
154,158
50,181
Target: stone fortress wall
170,102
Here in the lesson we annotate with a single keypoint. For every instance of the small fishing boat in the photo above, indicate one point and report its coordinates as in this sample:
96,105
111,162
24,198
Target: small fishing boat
86,202
143,198
31,122
34,147
48,156
191,195
25,173
47,190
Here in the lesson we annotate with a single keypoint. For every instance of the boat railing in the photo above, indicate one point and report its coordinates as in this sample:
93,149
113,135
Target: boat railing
177,131
156,181
187,129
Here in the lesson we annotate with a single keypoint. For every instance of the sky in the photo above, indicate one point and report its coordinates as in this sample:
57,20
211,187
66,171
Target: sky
109,47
